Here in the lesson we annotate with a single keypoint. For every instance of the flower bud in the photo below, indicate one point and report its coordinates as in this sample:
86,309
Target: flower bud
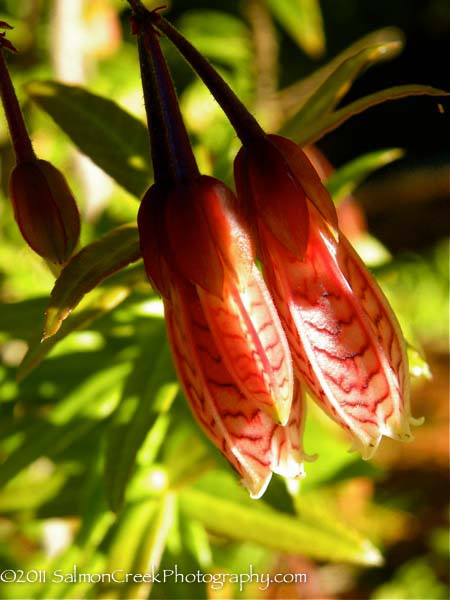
45,209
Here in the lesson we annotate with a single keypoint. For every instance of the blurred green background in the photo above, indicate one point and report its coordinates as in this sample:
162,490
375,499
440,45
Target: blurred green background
102,465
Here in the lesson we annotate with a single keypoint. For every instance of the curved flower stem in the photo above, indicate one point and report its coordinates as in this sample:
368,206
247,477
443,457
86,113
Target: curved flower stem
246,126
19,135
172,155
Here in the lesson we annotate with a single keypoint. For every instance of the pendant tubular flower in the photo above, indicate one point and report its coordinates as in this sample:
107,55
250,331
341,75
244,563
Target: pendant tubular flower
227,341
229,347
345,340
194,233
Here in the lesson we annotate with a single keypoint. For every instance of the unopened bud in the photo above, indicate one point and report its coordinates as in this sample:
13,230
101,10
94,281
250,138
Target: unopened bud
45,209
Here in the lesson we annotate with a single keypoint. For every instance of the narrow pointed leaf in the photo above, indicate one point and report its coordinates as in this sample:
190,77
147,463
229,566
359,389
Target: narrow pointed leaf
355,58
333,89
241,519
115,140
69,420
302,19
93,309
347,178
138,543
148,393
311,132
87,269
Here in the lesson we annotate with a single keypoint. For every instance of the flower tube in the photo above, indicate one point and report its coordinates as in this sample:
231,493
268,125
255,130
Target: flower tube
229,348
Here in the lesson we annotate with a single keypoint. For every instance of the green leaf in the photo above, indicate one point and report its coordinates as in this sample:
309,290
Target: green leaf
19,318
91,309
115,140
83,551
418,366
302,19
68,421
239,518
312,131
219,35
347,178
29,493
337,76
87,269
138,544
148,393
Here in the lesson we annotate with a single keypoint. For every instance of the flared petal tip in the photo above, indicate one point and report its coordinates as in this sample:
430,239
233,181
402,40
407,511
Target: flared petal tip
256,487
399,431
371,556
290,464
366,448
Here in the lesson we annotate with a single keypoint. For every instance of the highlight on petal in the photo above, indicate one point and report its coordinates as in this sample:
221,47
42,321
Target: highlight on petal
244,433
252,343
208,238
345,341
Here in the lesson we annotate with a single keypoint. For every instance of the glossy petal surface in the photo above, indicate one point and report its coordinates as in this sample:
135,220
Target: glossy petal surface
345,340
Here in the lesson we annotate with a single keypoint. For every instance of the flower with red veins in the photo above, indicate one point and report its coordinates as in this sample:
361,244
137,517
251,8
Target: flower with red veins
229,347
346,343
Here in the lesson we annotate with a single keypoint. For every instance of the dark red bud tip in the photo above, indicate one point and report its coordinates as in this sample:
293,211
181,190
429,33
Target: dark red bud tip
4,43
45,210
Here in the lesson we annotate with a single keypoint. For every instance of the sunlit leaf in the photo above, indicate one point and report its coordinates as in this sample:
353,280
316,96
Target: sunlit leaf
115,140
347,178
219,35
243,519
302,19
90,310
83,551
337,76
310,131
371,250
418,366
149,392
138,543
75,415
31,492
87,269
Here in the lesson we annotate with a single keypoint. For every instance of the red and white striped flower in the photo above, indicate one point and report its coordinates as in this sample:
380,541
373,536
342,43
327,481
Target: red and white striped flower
229,347
346,342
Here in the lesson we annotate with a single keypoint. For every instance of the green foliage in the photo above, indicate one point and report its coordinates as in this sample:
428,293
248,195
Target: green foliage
121,150
94,431
303,21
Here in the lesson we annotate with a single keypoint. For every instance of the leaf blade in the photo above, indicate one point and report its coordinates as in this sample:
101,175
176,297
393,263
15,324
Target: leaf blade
314,131
347,178
87,269
293,98
122,151
240,518
302,20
